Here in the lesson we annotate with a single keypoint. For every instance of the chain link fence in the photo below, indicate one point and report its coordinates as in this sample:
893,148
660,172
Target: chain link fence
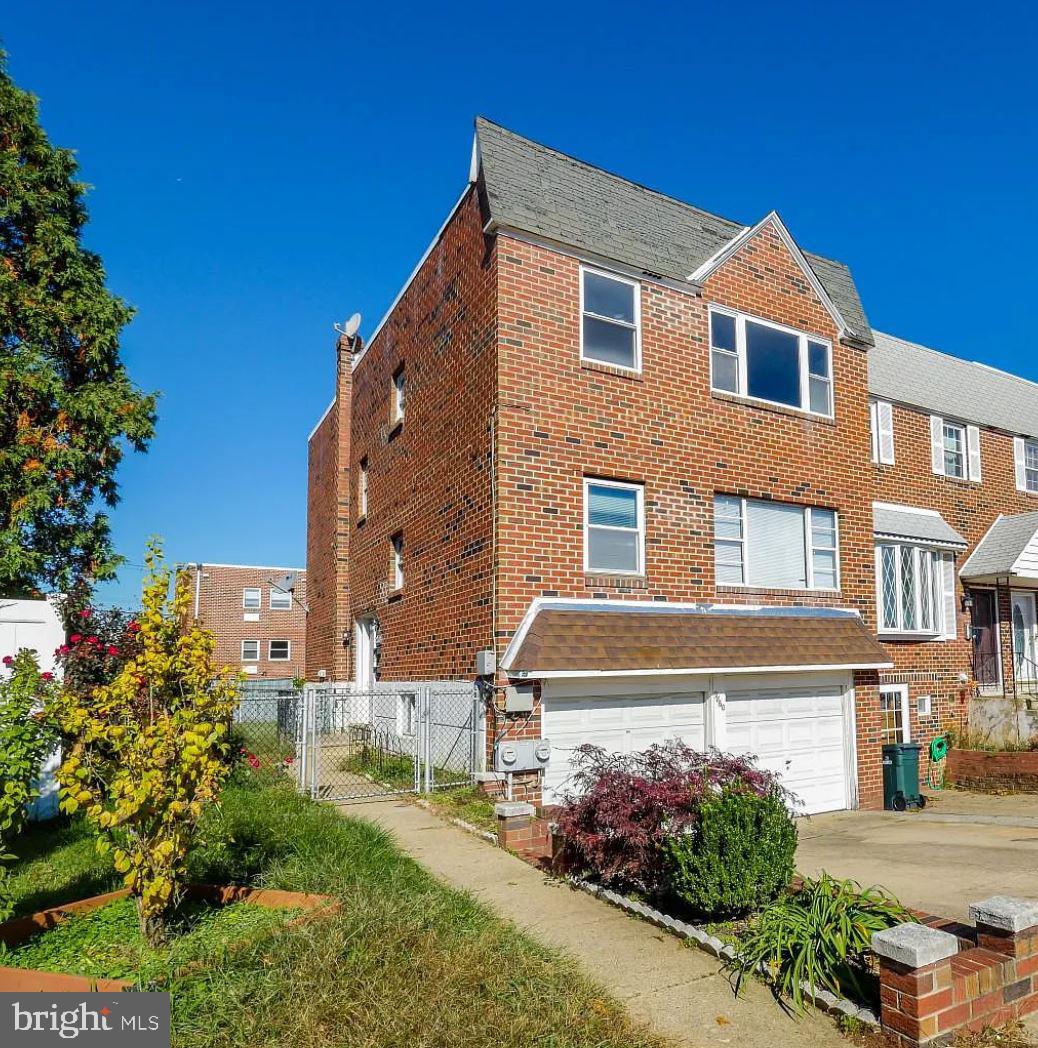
344,743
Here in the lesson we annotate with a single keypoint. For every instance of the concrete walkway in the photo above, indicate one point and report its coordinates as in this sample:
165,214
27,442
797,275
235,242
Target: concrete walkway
677,990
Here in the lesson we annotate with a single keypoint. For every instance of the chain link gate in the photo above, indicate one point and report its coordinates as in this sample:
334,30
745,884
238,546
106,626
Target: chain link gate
393,738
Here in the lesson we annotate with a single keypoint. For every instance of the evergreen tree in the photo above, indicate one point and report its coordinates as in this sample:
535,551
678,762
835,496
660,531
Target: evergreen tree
68,409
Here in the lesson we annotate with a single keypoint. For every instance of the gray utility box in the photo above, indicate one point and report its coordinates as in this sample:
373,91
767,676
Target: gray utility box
522,755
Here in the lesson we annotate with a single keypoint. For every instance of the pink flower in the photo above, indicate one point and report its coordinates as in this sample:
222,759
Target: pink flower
76,638
254,760
290,760
85,613
47,676
8,660
92,640
112,649
134,627
64,649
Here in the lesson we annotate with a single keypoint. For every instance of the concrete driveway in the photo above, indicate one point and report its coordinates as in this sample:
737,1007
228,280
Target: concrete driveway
962,848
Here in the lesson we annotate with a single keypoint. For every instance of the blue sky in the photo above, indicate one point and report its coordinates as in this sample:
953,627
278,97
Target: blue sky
263,170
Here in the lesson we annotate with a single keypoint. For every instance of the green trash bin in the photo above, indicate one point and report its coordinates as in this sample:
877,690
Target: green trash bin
901,776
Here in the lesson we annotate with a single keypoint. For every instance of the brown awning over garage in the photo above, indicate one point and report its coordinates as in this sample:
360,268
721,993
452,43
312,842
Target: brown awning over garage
618,637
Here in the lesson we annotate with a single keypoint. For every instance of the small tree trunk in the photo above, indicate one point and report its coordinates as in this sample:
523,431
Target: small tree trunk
154,929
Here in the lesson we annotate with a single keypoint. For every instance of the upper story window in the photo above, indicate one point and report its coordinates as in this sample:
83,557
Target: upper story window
614,527
1025,452
881,420
362,489
280,600
396,561
252,598
775,545
398,396
768,362
913,588
955,449
279,650
609,320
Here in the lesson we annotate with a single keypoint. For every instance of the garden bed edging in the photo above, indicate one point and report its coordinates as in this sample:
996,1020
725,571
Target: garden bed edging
20,929
994,771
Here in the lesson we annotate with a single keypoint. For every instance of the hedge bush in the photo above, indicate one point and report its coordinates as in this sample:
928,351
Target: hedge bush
737,857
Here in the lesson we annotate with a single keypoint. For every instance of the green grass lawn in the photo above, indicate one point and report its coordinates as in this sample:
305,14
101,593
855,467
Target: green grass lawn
408,962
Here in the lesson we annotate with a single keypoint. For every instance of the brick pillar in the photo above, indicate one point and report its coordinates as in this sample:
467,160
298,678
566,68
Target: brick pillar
915,983
518,830
1009,927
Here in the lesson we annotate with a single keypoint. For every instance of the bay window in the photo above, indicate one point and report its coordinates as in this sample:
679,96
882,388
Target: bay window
768,362
911,583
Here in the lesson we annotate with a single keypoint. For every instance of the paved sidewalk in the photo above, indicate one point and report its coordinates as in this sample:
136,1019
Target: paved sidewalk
677,990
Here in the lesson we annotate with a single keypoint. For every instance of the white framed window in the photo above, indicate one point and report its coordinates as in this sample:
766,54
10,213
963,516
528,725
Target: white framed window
610,319
280,600
893,711
279,650
250,650
881,421
614,527
912,584
398,396
1025,453
252,598
769,362
406,713
362,488
955,449
775,545
396,561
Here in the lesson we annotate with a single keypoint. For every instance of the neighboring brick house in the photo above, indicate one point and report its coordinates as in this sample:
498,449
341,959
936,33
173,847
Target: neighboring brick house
625,445
260,628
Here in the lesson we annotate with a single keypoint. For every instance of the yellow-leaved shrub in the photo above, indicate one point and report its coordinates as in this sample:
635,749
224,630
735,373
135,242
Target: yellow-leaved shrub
146,752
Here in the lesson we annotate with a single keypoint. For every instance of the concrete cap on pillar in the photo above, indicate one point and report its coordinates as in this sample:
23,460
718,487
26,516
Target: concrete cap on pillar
510,809
914,945
1005,913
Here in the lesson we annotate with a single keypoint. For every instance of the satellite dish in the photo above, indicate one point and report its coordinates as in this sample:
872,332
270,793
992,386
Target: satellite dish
284,584
350,327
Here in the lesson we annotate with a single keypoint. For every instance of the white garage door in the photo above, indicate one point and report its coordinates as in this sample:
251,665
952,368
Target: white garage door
621,724
798,733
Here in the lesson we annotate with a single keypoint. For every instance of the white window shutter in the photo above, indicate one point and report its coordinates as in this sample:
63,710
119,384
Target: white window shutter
874,428
885,440
937,444
1019,460
950,602
973,446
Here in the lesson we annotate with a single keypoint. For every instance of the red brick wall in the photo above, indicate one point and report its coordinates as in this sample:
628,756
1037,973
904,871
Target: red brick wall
430,480
561,420
220,610
994,772
328,531
934,667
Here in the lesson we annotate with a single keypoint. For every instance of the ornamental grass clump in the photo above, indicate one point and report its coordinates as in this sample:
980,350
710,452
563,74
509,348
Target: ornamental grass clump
624,808
26,737
146,752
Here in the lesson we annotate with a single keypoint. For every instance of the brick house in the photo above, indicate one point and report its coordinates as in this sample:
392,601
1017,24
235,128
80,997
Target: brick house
627,446
260,628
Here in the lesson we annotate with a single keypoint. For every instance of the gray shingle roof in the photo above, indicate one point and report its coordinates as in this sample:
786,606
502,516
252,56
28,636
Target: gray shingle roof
912,374
998,551
895,522
541,191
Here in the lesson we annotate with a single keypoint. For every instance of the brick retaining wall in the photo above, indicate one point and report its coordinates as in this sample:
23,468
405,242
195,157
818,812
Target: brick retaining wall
994,772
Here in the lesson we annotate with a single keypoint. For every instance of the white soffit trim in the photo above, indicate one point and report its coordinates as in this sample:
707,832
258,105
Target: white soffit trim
748,233
414,272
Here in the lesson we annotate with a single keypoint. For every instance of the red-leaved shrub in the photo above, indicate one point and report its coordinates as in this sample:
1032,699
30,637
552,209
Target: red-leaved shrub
620,809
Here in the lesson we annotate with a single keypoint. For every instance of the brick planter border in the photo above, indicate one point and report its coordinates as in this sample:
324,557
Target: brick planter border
992,772
21,929
823,1000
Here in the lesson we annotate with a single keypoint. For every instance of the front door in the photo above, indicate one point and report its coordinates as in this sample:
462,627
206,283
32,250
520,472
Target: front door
1024,665
986,650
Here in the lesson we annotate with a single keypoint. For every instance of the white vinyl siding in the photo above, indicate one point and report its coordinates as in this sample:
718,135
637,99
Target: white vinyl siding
774,545
614,527
912,584
1025,459
770,363
881,417
609,320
